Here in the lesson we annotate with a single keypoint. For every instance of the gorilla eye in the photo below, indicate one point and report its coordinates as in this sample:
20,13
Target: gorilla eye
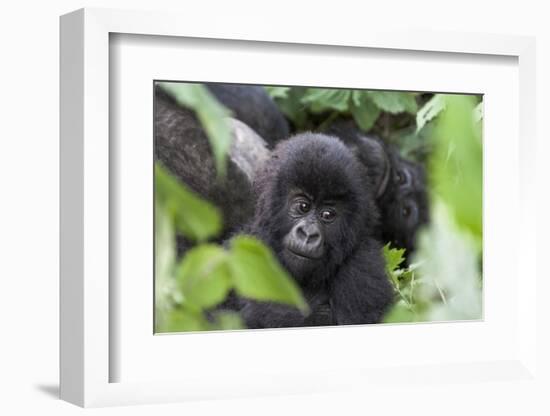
406,211
304,207
328,215
401,177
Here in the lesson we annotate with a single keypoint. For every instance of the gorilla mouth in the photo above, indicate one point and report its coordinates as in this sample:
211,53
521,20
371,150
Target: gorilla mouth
304,255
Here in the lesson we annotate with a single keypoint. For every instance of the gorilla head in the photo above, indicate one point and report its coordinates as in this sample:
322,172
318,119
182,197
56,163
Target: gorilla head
317,204
399,185
316,213
405,204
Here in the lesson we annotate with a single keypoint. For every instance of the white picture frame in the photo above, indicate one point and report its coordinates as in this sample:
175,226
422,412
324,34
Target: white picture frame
87,302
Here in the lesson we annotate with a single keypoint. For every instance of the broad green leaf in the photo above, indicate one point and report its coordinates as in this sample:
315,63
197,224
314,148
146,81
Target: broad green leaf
457,162
182,320
478,112
430,110
165,261
292,107
394,102
323,99
277,92
258,275
210,113
203,276
364,111
165,253
193,217
227,320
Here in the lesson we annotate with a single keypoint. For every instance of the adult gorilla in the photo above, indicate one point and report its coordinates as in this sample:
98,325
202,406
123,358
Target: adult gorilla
400,185
317,215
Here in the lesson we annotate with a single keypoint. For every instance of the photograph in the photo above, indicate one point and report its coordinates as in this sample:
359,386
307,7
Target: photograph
280,206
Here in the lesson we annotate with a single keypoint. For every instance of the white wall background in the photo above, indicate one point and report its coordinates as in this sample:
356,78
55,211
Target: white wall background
29,203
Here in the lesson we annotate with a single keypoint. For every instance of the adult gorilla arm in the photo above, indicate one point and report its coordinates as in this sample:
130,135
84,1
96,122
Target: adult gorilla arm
361,293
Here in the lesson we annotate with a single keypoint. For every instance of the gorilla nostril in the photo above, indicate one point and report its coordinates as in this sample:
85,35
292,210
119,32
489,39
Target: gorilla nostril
313,238
301,233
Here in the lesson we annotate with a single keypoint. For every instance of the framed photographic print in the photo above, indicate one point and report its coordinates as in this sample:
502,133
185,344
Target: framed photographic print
271,214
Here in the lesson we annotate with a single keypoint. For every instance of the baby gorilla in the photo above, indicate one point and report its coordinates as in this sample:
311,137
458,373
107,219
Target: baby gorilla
314,212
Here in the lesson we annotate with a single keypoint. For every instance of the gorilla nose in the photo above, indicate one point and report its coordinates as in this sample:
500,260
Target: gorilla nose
309,234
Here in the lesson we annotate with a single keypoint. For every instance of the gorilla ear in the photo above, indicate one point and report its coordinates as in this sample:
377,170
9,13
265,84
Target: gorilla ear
380,163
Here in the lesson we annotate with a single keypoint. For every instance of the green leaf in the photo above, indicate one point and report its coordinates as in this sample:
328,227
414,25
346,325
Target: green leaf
394,257
478,112
449,269
182,320
203,276
193,217
457,162
324,99
227,321
291,106
430,110
277,92
394,102
165,261
258,275
364,111
210,113
400,312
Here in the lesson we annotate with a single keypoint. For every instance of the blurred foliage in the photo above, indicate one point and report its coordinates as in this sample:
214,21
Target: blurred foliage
437,285
188,290
430,110
258,275
456,165
210,113
444,280
199,221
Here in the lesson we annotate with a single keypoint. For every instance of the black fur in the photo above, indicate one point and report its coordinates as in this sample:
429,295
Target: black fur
252,105
400,185
404,206
348,285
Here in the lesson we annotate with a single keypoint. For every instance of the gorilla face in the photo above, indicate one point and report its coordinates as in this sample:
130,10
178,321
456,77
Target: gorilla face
312,223
313,204
406,183
407,205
